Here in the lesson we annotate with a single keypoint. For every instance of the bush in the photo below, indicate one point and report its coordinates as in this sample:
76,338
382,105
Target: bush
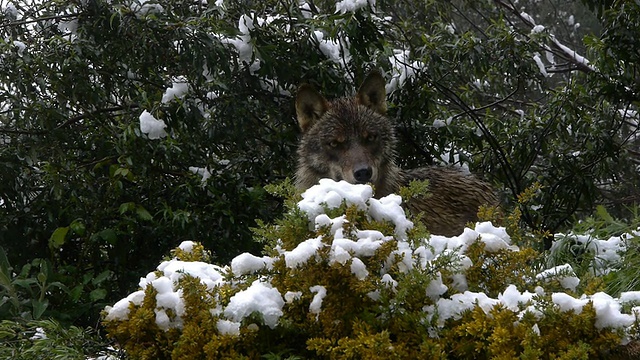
48,339
347,276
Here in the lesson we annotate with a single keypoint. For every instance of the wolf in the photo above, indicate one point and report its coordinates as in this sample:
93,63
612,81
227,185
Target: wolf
352,139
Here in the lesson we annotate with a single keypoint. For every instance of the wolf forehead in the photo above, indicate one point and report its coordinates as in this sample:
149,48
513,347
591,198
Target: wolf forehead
346,118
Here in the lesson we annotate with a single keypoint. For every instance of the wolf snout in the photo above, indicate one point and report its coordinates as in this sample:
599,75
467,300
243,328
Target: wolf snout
363,174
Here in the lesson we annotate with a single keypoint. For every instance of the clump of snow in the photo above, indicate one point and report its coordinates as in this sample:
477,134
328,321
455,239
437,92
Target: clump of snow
291,296
120,310
261,298
345,6
151,126
331,194
10,11
227,327
450,28
402,69
246,263
605,252
21,47
541,67
146,7
316,303
438,123
335,50
178,90
305,8
359,269
564,274
204,172
459,303
537,29
303,252
40,334
186,246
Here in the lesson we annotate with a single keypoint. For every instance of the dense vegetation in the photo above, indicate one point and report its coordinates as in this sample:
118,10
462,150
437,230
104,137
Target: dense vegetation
539,99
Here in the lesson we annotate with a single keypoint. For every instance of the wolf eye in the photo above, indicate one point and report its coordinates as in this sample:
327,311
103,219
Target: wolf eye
371,138
334,144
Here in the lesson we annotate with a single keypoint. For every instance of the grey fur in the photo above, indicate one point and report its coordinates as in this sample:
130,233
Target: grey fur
351,139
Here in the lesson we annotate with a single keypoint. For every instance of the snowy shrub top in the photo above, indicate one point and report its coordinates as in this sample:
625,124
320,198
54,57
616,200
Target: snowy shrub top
258,283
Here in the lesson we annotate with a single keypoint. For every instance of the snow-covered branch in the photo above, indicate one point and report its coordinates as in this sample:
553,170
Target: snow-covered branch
580,62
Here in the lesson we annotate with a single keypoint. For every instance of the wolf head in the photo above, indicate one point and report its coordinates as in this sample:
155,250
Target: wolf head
347,139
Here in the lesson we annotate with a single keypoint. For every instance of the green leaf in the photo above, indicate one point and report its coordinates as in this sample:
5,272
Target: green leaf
76,293
57,239
101,277
143,214
126,207
604,214
42,278
98,294
78,227
109,235
26,284
39,307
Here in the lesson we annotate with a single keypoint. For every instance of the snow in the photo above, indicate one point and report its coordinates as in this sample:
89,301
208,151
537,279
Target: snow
458,303
248,264
40,334
178,90
151,126
331,194
345,6
303,252
143,8
511,298
291,296
261,298
305,8
564,274
403,68
630,297
335,50
436,288
227,327
537,29
316,303
342,244
359,269
541,67
187,246
438,123
606,252
527,17
21,47
11,12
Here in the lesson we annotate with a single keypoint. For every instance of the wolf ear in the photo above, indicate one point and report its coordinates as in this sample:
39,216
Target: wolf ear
372,93
310,106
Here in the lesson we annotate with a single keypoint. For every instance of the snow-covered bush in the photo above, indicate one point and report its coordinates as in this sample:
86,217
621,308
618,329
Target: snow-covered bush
348,276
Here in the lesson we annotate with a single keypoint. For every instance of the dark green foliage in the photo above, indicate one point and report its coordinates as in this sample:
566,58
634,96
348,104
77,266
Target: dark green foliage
47,339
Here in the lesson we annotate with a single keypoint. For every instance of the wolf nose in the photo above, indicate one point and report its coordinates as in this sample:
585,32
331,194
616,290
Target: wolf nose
363,174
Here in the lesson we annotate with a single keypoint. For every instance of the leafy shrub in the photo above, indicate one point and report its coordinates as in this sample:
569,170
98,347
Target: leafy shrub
347,276
48,339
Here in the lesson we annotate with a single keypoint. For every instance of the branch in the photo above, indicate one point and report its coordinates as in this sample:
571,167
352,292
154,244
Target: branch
580,62
45,18
72,120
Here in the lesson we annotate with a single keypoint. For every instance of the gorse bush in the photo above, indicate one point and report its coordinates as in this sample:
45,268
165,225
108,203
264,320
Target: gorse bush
347,276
